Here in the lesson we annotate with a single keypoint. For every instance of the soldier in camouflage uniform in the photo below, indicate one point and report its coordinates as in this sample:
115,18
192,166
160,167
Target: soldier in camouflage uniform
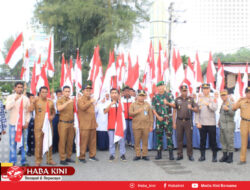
162,108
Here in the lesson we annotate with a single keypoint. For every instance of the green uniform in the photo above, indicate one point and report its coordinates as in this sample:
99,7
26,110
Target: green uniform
166,125
227,126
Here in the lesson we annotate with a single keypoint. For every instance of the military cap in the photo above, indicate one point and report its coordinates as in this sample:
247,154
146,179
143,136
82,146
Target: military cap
184,87
205,85
141,93
160,83
223,93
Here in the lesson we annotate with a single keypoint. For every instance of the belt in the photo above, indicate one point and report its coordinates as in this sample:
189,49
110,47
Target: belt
183,119
245,119
67,121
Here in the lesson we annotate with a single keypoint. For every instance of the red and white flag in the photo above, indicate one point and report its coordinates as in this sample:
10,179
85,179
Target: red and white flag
238,90
63,72
15,53
166,73
25,72
43,81
109,75
68,80
197,72
220,82
211,72
33,80
78,73
120,69
77,130
20,124
72,72
47,131
50,59
120,125
133,73
245,79
189,76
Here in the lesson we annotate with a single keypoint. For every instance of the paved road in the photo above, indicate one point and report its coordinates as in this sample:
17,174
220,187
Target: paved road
152,170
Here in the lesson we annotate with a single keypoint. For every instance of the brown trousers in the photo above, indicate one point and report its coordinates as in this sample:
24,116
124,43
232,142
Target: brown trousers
244,132
39,147
141,134
66,133
181,127
87,139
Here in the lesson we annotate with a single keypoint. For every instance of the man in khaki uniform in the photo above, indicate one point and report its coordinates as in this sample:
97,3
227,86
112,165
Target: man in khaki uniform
244,105
40,106
66,126
87,124
142,124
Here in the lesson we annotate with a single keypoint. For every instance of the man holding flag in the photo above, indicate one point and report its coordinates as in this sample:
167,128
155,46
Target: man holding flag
87,124
18,106
116,124
42,106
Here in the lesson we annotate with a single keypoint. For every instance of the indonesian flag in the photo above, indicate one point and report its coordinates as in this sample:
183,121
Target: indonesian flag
120,69
15,53
178,74
211,71
78,73
20,124
197,72
63,71
166,74
220,82
68,80
245,79
160,64
1,58
72,72
47,132
148,72
133,73
50,59
120,125
109,75
238,90
43,80
129,72
76,126
189,76
33,80
25,72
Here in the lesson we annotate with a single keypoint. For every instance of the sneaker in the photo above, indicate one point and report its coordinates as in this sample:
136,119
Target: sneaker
145,158
136,158
123,158
111,158
93,159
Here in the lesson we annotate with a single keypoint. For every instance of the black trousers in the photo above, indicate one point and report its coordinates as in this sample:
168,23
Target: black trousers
211,131
55,122
31,137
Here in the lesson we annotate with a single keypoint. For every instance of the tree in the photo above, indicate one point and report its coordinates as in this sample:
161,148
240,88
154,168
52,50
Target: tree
85,23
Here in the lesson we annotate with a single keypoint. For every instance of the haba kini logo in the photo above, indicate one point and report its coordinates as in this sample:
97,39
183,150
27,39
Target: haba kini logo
14,173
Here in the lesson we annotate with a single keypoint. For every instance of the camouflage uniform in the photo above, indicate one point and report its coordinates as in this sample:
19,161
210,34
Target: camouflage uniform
166,125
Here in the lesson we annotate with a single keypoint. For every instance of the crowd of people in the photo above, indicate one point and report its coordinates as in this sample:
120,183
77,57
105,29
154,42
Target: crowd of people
141,115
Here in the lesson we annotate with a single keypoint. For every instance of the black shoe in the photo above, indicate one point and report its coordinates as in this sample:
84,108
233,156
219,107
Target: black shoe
63,162
82,160
214,159
24,165
179,157
224,157
191,158
93,159
242,163
202,158
158,157
145,158
69,160
136,158
171,155
111,158
123,158
230,158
